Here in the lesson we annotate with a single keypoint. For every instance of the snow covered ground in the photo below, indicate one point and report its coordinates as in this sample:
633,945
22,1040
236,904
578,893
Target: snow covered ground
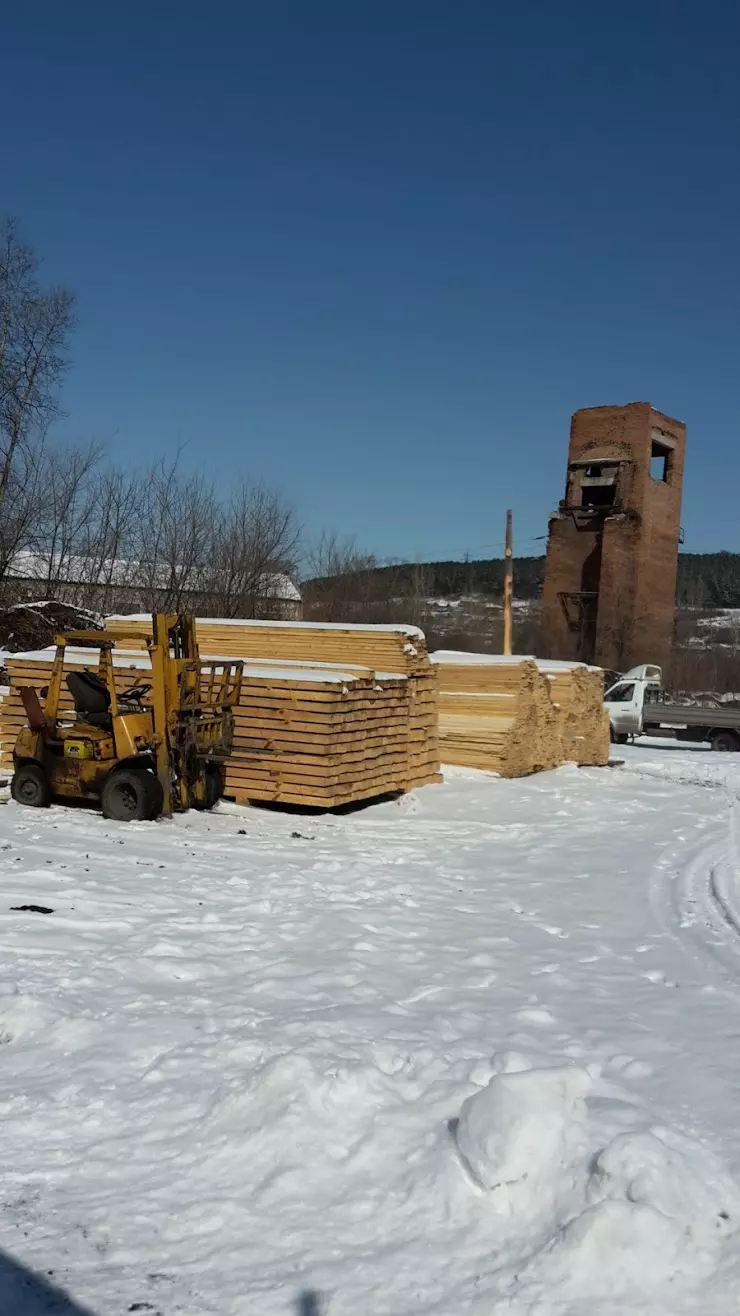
471,1052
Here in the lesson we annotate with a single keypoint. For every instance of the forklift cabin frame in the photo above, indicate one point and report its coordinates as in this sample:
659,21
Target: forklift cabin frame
188,721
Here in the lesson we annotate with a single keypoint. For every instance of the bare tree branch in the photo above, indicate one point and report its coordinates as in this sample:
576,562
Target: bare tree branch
255,540
34,343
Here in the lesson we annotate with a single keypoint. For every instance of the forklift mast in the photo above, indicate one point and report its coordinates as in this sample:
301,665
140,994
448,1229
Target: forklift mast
191,708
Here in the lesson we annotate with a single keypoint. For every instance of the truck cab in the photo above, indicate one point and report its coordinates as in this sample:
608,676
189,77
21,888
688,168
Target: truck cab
625,700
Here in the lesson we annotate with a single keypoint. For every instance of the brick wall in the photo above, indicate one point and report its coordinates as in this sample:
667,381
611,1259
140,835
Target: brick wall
629,555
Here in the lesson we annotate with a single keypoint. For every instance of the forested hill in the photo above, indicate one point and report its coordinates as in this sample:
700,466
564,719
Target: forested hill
709,580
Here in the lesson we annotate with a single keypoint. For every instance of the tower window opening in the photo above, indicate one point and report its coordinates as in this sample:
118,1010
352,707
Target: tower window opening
660,463
598,495
599,485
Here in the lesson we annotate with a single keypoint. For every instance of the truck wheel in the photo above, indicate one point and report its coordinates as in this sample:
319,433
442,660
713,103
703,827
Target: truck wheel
725,742
619,737
130,795
29,786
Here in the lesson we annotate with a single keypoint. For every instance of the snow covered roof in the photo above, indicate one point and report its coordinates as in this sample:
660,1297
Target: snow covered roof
74,570
124,572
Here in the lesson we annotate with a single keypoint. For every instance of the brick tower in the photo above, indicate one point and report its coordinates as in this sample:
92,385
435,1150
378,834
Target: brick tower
612,550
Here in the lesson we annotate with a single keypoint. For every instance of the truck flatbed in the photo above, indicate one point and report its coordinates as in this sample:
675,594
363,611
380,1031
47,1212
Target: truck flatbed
689,715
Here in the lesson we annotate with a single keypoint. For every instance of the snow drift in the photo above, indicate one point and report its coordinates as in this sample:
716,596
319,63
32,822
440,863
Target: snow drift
631,1216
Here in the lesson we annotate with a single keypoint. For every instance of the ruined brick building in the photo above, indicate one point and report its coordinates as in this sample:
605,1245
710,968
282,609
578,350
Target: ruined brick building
612,552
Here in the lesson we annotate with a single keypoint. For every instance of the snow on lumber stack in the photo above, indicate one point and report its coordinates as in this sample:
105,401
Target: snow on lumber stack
319,736
518,715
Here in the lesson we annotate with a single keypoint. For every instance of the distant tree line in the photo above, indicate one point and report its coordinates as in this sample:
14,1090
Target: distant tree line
440,579
709,580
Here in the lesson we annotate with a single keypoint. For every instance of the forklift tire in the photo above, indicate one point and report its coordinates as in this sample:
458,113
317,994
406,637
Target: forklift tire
131,795
29,786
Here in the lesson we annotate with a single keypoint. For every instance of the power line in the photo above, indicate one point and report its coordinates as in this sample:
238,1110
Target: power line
437,554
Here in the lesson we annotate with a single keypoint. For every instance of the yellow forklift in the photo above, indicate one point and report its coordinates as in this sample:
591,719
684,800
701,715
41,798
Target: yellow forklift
156,747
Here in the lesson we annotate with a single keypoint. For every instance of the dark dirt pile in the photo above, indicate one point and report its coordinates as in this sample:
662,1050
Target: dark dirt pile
34,625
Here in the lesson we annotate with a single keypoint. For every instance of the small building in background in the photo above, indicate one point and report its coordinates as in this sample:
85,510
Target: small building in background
123,586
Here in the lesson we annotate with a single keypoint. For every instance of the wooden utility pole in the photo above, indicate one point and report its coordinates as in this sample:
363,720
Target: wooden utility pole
508,585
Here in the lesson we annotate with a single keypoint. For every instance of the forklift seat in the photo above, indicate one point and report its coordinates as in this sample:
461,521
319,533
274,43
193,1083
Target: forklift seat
91,698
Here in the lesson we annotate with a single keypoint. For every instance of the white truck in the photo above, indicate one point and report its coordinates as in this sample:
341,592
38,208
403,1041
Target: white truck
638,705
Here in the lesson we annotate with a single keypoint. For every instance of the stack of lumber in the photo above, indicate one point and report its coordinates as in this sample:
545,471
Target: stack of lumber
323,737
305,734
578,692
381,648
515,716
364,652
496,715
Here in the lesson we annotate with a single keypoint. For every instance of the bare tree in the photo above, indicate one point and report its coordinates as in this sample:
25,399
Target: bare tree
255,541
66,505
415,604
108,538
341,585
174,537
35,329
21,514
347,585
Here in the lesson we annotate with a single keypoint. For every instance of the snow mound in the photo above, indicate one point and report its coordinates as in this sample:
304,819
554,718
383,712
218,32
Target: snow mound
23,1016
638,1213
517,1135
659,1208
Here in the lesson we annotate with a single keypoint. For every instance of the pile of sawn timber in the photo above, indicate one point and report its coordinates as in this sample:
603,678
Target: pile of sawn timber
314,730
355,716
517,715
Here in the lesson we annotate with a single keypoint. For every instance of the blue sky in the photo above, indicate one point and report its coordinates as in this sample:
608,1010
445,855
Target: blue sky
375,252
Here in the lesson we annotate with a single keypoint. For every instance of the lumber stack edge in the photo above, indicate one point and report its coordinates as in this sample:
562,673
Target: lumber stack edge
520,715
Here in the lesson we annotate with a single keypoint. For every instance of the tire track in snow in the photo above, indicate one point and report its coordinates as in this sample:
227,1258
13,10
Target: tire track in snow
698,901
723,878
